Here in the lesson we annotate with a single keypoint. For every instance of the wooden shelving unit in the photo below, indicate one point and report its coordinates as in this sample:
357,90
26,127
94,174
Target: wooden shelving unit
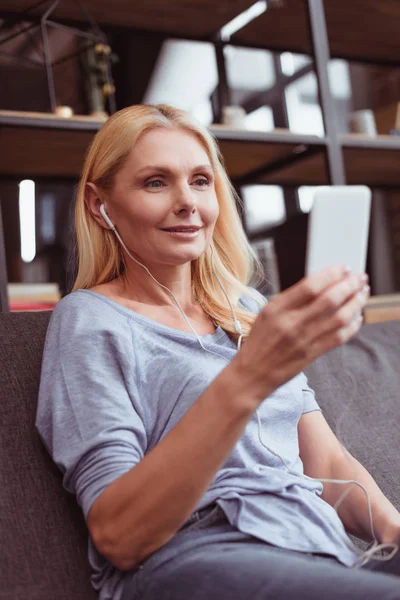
39,145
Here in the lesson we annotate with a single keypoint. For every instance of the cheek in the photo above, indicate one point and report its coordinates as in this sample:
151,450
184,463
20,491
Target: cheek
211,211
141,217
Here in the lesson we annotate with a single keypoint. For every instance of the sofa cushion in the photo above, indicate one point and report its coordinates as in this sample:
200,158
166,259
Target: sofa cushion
43,549
358,388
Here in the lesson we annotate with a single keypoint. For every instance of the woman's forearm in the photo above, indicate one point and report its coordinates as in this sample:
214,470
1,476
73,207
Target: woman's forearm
143,509
354,509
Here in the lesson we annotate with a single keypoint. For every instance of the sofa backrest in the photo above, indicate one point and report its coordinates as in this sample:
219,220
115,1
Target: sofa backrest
43,547
358,388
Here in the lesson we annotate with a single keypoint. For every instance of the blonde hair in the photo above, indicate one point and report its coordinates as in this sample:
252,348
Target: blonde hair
99,254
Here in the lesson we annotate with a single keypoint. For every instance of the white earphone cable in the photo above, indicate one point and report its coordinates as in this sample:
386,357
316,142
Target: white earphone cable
168,290
375,547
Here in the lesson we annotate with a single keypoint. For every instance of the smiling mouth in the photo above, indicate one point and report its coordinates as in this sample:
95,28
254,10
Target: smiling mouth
182,229
183,233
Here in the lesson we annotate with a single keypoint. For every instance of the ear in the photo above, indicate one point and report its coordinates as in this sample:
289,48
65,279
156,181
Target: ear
93,199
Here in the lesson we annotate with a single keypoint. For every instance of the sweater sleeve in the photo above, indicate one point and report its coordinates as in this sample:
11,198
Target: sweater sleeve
309,401
89,415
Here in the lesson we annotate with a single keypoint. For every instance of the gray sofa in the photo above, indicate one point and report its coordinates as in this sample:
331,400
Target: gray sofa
43,539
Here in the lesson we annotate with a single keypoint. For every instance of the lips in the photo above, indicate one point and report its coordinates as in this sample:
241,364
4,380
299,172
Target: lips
183,228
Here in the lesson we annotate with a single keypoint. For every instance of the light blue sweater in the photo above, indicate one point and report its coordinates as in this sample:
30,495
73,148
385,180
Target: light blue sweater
114,383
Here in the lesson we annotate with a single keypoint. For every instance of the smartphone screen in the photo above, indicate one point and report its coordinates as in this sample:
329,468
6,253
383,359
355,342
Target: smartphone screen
338,228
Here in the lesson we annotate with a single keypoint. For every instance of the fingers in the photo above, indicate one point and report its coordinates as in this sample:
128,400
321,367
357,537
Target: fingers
330,340
333,298
306,312
342,324
309,289
319,313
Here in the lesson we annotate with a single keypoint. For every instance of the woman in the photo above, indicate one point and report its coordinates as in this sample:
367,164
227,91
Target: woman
152,413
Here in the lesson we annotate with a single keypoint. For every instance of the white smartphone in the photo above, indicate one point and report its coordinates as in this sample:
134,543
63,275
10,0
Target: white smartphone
338,228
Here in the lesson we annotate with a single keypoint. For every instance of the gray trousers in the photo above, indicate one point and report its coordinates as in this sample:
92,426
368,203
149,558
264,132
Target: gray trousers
208,559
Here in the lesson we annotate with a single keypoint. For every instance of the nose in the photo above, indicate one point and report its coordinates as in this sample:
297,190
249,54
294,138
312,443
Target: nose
185,201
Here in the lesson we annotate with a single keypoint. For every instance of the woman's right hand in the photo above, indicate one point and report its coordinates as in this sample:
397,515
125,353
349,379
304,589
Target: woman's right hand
315,315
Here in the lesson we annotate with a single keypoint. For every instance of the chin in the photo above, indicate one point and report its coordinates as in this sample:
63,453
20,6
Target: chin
183,257
182,252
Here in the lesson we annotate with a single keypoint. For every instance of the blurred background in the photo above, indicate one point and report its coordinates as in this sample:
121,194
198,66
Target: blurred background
299,94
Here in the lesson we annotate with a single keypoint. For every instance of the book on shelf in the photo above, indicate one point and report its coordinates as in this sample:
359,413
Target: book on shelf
33,296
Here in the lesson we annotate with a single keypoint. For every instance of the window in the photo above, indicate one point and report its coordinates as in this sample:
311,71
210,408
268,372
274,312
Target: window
264,206
303,107
249,69
185,76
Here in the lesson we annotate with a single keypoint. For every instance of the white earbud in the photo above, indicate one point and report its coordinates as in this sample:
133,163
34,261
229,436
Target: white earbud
106,217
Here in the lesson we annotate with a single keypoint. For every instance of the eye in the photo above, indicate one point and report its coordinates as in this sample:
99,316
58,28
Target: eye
156,183
202,182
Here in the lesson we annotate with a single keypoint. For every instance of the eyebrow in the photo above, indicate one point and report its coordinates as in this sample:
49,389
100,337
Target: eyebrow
162,169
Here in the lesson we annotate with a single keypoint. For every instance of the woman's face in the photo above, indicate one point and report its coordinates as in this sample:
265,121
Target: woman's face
163,201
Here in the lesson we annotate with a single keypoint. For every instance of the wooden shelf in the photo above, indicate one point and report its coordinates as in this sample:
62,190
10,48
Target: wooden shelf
359,30
40,119
372,161
46,145
250,154
40,144
43,145
311,169
200,19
